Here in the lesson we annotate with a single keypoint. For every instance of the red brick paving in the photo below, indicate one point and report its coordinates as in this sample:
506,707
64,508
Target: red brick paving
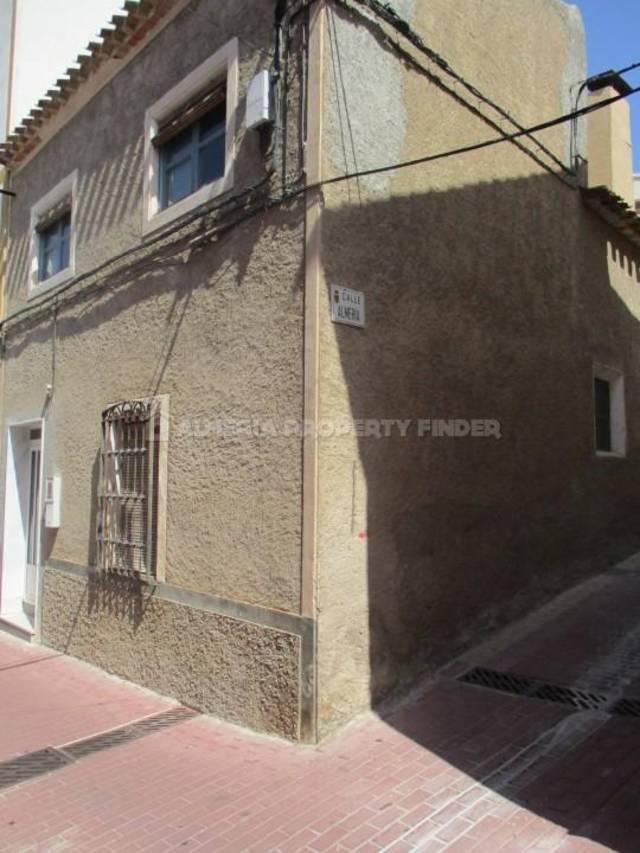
462,769
51,699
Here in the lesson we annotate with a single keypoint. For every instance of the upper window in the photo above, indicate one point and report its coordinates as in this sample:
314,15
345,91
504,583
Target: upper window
53,237
189,140
609,412
192,156
54,247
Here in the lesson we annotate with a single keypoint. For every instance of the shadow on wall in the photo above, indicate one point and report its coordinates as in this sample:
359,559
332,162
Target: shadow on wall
109,205
160,293
485,302
489,302
120,596
108,201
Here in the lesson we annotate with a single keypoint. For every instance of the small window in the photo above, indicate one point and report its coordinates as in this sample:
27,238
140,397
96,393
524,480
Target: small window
602,395
192,156
132,495
54,247
53,226
190,140
609,412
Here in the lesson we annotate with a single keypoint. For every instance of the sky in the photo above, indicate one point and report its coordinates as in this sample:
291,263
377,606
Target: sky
612,27
66,28
613,41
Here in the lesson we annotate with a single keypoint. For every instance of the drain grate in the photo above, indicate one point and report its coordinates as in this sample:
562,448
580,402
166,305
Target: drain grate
627,708
576,697
29,766
580,699
505,682
34,764
115,737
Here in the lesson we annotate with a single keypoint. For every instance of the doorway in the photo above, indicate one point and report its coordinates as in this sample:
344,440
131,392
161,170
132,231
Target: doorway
22,527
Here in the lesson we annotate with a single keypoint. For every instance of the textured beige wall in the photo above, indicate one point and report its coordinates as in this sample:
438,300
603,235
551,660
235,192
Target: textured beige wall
108,154
610,153
218,329
246,673
491,291
233,515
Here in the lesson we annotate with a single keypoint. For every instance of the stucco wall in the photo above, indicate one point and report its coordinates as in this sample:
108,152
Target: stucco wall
218,329
217,326
491,291
104,141
244,672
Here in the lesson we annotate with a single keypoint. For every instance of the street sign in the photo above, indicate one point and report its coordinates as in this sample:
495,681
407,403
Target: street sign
347,306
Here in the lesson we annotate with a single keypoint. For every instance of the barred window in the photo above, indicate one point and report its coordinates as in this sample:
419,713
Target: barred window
132,488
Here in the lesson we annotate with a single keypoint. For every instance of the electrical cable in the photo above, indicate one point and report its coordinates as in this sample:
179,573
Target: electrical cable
293,193
145,244
629,68
391,17
465,149
618,71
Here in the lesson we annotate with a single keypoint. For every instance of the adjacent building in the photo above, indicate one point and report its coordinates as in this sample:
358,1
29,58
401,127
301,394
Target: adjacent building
277,442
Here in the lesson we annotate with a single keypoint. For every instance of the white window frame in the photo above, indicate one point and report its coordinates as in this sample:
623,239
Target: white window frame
617,410
67,187
222,64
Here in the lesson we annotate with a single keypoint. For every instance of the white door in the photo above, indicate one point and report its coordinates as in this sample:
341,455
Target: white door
33,518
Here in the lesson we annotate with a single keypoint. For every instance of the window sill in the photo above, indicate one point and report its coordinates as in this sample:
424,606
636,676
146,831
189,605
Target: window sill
610,454
188,204
51,283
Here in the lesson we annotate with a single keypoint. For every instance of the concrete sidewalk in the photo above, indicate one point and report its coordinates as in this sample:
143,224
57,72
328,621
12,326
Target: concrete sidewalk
537,748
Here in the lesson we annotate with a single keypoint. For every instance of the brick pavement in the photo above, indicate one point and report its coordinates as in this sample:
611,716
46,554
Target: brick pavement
461,768
49,698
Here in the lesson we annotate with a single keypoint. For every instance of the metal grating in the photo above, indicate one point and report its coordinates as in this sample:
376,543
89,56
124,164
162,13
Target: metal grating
505,682
115,737
580,699
124,529
576,697
627,708
34,764
28,766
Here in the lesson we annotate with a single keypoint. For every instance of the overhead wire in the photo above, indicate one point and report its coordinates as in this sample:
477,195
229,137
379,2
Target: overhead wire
393,19
288,194
466,149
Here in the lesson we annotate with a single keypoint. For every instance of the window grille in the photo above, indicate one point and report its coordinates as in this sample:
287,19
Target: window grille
129,496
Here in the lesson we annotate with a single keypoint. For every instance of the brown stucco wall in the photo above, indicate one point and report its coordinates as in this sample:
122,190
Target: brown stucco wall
244,672
218,329
104,141
217,326
491,291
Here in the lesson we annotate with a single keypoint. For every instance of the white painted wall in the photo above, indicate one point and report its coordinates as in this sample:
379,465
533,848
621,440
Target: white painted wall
15,520
6,42
49,34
